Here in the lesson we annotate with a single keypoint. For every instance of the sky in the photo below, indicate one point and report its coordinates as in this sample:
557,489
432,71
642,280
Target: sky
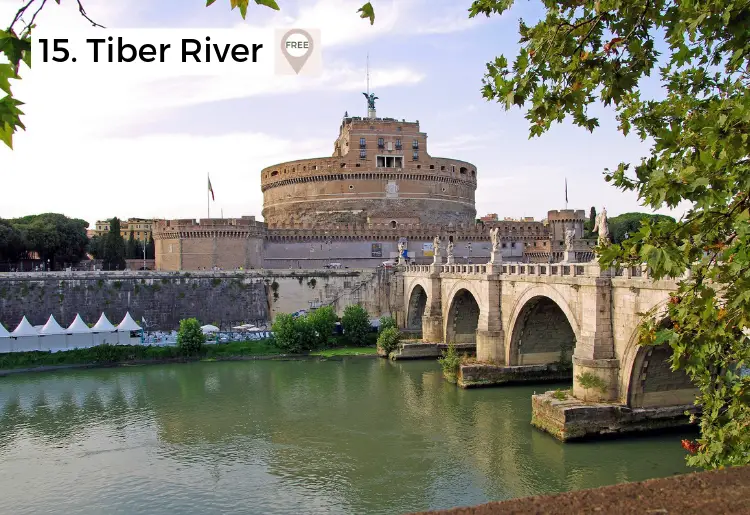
142,146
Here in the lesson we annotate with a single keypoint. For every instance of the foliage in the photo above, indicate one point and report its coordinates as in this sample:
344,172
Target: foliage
323,321
590,381
95,247
133,248
150,247
356,324
628,224
53,236
386,322
601,51
588,225
190,337
293,335
114,247
15,46
389,339
560,395
450,362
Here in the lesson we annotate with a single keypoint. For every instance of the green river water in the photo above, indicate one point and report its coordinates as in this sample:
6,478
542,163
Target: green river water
353,435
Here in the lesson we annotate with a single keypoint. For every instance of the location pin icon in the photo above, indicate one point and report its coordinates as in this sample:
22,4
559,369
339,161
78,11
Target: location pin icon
297,46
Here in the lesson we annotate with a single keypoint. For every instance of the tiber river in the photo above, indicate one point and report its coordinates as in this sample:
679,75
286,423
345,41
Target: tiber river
355,436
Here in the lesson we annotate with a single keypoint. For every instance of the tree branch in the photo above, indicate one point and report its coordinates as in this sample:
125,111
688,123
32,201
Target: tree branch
83,13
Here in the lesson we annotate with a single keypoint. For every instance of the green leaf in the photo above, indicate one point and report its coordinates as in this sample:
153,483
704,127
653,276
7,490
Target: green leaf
268,3
209,2
367,12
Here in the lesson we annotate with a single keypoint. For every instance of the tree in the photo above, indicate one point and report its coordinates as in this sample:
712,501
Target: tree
293,335
323,321
150,247
356,324
114,247
131,249
15,45
96,247
11,241
598,51
55,237
190,337
622,226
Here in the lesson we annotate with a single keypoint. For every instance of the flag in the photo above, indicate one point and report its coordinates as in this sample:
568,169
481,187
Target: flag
566,190
211,189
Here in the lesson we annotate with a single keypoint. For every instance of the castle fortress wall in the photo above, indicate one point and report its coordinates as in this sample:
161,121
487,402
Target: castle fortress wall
360,183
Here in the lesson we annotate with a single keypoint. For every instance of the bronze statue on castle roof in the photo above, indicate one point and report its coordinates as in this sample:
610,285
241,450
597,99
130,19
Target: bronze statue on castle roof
371,98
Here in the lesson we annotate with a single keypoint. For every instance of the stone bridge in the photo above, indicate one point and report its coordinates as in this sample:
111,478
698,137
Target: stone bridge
533,314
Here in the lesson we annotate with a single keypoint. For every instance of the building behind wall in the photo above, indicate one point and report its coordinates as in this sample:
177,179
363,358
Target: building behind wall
379,187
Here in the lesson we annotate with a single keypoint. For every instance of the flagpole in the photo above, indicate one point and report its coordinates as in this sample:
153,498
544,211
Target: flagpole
208,198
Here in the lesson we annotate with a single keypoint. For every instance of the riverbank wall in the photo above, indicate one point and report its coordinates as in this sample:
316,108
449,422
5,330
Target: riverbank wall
164,298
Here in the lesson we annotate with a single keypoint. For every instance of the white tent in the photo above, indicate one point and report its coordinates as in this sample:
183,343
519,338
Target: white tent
128,324
5,340
209,329
79,334
129,331
52,336
26,338
104,332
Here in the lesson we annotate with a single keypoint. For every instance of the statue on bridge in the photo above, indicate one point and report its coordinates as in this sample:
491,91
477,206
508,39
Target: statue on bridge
570,234
601,226
436,251
401,248
495,256
451,260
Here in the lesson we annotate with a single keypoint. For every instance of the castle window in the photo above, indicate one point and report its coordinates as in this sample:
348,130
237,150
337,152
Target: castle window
432,167
393,224
415,156
473,173
274,173
415,144
398,143
343,165
442,168
362,143
419,166
504,245
463,170
351,186
363,154
453,168
381,143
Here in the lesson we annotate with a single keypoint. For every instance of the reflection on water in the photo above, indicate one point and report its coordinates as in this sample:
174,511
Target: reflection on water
347,436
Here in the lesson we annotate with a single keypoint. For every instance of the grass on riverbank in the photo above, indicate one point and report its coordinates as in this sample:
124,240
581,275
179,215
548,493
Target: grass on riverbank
110,354
346,351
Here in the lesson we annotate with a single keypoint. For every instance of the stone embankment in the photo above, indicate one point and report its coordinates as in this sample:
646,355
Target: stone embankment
221,298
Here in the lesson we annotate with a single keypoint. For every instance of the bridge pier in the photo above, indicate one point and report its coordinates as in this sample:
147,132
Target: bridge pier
491,346
432,328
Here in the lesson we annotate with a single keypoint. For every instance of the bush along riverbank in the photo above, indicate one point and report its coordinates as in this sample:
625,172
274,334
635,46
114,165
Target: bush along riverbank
191,346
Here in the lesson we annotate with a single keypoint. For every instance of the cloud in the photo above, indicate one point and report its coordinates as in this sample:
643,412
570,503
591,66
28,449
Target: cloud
158,175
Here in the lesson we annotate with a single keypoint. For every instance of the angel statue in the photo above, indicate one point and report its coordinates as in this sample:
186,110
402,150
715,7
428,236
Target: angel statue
450,248
569,235
601,226
436,244
371,98
494,238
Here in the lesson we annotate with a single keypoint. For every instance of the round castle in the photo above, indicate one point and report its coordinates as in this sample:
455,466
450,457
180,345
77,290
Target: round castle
380,173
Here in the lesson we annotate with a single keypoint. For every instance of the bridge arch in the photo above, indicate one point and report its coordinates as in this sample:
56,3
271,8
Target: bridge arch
647,378
461,319
415,307
542,328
